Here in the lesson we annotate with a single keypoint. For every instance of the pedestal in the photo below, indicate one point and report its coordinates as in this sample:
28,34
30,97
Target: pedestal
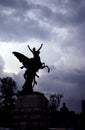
31,112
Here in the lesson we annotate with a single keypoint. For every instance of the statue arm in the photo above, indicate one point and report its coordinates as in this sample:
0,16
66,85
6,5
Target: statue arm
40,47
30,48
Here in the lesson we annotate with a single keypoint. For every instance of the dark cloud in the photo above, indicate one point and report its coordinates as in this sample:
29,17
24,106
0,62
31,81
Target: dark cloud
20,27
22,31
69,83
17,26
15,4
21,20
70,13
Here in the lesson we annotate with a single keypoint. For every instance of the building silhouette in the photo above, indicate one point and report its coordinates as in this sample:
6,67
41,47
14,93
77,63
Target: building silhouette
83,106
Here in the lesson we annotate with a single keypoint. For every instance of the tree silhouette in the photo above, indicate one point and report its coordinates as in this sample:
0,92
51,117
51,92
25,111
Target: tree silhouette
7,92
54,101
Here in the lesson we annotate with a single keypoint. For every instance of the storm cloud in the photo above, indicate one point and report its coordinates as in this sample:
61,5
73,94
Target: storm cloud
59,25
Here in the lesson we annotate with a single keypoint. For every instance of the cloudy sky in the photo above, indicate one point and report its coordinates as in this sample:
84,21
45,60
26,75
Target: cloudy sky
60,26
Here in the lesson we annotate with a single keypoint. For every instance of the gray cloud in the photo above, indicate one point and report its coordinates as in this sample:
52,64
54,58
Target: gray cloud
17,77
60,21
70,84
18,26
15,4
19,30
66,14
1,66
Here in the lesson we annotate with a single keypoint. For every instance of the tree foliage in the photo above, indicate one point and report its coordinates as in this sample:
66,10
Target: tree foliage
54,101
7,92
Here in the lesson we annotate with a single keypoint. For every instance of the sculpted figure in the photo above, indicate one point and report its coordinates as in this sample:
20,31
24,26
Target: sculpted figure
32,66
34,51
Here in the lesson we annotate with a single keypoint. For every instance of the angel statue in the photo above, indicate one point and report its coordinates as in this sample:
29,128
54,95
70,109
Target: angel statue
32,66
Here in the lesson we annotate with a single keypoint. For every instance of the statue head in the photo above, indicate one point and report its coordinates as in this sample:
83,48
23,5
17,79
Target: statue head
34,49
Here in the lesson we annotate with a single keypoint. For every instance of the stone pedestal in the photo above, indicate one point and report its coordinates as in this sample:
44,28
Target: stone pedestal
31,112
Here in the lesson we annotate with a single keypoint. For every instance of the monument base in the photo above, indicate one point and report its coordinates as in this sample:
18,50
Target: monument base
31,112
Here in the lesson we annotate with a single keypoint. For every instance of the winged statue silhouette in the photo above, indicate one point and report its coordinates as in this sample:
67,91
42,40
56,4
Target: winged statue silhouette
32,66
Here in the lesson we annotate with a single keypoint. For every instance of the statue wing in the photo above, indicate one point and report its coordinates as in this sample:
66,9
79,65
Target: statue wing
22,58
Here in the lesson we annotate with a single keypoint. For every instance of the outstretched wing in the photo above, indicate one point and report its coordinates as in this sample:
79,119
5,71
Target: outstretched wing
22,58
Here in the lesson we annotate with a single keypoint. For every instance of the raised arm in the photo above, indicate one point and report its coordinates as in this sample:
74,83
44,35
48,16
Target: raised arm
40,47
30,48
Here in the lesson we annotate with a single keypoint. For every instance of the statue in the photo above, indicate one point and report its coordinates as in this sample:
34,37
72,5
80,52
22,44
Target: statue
32,66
